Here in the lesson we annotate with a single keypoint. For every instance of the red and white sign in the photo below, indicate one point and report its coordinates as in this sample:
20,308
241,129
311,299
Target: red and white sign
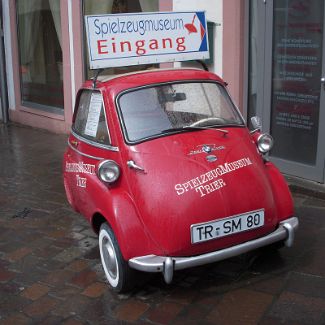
142,38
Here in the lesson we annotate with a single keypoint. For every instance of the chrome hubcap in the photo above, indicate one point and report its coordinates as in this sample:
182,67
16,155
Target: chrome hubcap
109,257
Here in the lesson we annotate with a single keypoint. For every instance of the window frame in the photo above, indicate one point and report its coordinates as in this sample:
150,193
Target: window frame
156,136
82,137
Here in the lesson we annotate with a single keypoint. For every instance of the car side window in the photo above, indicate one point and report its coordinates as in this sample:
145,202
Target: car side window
90,121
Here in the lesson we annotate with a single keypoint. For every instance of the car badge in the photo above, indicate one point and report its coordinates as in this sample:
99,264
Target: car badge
211,158
206,149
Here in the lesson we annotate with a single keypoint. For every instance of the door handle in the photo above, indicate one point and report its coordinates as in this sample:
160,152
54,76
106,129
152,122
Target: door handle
133,165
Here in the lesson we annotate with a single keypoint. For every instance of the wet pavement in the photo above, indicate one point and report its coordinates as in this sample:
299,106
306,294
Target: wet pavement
50,270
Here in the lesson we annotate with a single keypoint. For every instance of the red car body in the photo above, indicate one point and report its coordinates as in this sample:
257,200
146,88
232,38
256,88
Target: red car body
173,188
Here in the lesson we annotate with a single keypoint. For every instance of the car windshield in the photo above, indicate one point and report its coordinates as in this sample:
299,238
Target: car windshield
178,107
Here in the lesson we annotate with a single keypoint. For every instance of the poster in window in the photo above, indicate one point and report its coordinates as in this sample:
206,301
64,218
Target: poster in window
93,114
297,62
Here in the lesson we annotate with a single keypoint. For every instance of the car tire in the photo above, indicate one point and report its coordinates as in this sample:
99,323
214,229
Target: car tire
118,273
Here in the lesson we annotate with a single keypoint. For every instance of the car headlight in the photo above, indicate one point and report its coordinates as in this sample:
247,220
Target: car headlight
264,143
108,171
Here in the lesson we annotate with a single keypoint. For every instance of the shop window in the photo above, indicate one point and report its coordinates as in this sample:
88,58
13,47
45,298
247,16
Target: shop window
40,54
92,7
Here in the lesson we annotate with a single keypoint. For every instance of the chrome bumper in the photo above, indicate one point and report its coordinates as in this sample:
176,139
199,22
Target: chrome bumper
167,265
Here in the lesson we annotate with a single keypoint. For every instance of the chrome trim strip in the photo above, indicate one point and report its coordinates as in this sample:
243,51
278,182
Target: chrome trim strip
83,154
95,144
153,263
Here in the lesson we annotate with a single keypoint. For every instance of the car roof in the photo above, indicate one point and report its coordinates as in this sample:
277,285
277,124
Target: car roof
121,82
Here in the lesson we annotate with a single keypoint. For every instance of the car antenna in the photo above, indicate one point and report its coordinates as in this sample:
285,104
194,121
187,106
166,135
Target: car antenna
96,76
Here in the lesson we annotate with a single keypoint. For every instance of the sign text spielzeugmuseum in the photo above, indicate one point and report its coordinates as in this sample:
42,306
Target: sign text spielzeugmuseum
142,38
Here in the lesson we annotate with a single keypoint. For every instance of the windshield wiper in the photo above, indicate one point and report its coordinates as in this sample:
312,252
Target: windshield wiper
193,128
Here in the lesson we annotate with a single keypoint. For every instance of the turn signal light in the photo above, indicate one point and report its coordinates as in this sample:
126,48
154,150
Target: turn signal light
264,143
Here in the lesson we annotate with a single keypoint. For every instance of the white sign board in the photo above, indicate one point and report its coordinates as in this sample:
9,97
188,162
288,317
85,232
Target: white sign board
142,38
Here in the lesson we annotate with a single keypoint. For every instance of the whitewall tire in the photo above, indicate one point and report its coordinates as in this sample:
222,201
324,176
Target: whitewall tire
117,270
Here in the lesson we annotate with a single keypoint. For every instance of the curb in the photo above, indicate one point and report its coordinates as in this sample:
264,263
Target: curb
305,187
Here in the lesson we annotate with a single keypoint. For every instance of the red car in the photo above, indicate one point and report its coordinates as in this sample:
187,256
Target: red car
162,165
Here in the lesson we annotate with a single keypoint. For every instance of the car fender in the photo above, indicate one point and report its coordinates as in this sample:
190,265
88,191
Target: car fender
281,193
121,214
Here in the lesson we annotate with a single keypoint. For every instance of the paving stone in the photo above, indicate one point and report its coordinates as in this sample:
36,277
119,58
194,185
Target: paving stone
95,290
267,284
50,320
72,321
40,243
47,252
77,235
11,304
64,292
73,307
58,233
93,254
277,321
306,284
10,288
68,255
6,275
298,308
89,233
164,313
78,265
195,313
16,319
182,295
56,278
241,307
27,278
41,307
35,292
207,300
84,278
19,253
10,245
88,244
130,310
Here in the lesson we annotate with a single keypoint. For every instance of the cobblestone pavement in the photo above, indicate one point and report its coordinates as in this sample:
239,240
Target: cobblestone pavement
50,271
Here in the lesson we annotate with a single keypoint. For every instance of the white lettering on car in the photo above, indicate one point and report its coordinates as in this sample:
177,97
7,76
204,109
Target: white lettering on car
81,181
80,168
209,182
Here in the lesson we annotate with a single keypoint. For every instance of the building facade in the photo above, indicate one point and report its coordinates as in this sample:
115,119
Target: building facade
269,51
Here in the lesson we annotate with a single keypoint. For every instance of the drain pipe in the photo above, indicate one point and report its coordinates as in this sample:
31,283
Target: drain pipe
3,79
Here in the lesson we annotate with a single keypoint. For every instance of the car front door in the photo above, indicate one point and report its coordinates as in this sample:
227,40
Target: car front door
89,144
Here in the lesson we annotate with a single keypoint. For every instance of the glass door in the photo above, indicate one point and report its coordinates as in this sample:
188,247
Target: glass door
292,93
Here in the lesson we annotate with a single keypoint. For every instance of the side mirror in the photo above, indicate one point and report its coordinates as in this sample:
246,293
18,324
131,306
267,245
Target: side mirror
256,123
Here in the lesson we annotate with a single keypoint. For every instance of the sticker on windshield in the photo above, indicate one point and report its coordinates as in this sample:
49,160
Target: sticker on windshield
93,114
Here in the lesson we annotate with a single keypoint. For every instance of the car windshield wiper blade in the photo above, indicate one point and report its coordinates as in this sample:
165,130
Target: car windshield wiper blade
193,128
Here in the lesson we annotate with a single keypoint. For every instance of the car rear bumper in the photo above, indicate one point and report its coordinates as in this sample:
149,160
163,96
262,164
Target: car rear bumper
167,265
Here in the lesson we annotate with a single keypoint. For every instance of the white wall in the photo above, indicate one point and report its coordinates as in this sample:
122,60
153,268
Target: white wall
213,9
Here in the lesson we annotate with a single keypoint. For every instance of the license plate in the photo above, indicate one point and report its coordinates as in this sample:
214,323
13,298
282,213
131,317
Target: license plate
220,228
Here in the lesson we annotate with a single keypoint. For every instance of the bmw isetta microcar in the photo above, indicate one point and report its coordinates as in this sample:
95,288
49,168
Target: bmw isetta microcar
163,167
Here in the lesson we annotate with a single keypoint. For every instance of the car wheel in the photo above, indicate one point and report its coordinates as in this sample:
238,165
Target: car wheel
117,271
